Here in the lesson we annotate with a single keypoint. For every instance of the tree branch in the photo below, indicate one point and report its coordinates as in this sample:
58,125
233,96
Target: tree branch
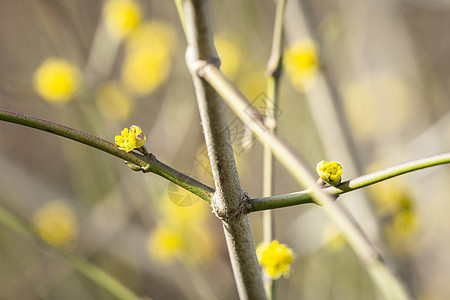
154,165
304,197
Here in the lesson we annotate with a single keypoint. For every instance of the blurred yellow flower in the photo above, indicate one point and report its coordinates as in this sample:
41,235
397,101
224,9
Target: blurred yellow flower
230,53
143,71
182,233
330,172
301,62
148,61
121,17
112,102
56,80
166,243
275,258
56,223
155,34
130,139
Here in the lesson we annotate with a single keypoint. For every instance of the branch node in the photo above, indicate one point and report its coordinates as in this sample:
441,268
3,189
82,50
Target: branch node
197,66
226,214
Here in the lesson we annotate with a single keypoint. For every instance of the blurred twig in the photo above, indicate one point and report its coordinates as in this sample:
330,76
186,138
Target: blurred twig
273,73
229,198
90,271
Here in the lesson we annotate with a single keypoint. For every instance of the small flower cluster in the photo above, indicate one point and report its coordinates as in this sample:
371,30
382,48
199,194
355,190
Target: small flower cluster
275,258
330,172
130,139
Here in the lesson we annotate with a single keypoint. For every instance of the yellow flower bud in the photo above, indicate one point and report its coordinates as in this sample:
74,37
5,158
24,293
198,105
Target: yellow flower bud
330,172
130,139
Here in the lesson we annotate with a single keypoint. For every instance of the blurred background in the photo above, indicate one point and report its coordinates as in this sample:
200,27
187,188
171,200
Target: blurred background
366,83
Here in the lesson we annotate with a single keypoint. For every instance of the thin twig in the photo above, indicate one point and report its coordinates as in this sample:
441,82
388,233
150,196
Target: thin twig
304,197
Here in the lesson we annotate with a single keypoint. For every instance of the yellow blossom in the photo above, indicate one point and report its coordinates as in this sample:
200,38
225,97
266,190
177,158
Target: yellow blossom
121,17
56,80
56,223
112,102
301,63
275,258
130,139
330,172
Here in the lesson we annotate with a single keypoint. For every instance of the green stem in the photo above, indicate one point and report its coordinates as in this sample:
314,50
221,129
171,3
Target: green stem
303,197
151,162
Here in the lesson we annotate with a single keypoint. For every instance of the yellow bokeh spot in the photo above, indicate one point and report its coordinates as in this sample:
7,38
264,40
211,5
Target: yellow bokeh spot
56,80
112,102
166,243
121,17
156,34
230,53
301,62
275,258
56,223
143,71
148,60
182,233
